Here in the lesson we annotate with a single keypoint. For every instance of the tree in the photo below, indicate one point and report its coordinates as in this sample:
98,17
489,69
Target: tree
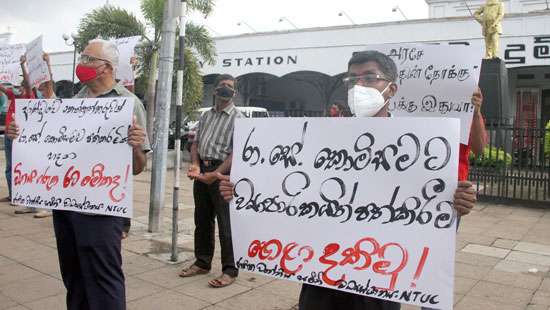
114,22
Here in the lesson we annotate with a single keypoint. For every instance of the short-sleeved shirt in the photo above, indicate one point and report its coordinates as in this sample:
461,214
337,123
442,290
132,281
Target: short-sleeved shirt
11,108
120,91
463,162
214,134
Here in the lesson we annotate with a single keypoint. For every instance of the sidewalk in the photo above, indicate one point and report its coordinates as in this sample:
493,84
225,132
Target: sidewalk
502,262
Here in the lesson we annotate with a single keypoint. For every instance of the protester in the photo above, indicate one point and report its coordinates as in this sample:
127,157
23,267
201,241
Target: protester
371,83
336,110
89,246
22,92
46,89
211,154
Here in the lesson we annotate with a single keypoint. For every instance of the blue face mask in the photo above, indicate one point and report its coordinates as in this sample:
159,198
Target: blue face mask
39,94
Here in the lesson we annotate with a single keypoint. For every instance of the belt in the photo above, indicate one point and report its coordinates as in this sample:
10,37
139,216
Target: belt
211,162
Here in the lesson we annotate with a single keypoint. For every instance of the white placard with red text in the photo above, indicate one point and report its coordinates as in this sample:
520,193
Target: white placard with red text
36,66
73,154
362,205
10,67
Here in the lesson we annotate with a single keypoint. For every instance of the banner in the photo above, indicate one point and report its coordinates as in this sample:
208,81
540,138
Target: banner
364,206
10,67
73,154
434,81
37,67
125,72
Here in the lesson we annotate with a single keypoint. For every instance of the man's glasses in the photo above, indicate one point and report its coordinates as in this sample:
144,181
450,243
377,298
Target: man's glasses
87,59
368,79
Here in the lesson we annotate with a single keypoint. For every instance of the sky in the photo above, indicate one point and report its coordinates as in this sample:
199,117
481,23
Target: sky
28,19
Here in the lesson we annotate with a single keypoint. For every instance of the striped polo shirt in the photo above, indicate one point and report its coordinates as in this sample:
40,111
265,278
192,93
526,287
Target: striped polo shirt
215,133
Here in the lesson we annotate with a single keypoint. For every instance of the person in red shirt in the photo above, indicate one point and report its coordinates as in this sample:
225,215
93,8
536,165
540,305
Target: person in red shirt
478,138
336,110
12,94
22,92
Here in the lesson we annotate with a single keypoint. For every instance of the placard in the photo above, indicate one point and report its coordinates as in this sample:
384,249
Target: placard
10,68
361,205
435,81
125,72
37,67
73,154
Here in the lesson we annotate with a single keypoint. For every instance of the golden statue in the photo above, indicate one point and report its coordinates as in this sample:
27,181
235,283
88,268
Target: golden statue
490,17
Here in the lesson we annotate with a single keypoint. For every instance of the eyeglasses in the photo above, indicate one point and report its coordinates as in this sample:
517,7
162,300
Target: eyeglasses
87,59
368,79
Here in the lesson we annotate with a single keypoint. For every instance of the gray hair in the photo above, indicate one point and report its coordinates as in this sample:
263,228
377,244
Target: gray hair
109,51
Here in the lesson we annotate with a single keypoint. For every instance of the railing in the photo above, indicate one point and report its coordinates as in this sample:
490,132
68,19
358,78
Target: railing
515,164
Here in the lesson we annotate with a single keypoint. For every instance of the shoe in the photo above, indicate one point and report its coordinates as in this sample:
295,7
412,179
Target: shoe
6,199
25,211
42,214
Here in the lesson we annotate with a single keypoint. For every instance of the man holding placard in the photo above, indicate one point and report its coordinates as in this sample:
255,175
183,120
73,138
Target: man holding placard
89,245
371,83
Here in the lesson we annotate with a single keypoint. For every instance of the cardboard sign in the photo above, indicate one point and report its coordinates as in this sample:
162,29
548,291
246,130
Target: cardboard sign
10,68
435,81
125,72
73,154
37,67
364,206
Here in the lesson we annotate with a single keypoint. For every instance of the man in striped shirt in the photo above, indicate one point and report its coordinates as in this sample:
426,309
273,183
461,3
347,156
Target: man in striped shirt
211,154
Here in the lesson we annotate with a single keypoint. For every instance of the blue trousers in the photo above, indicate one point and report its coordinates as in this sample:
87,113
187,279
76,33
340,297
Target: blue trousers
90,260
7,151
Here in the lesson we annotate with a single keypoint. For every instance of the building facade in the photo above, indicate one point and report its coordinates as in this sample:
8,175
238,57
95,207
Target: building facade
298,72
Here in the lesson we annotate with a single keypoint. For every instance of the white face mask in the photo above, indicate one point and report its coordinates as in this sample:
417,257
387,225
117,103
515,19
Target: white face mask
365,101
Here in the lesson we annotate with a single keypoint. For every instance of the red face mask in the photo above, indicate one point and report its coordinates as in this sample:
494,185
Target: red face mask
85,73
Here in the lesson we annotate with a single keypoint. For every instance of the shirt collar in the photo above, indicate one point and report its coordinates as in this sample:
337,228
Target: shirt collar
228,110
117,88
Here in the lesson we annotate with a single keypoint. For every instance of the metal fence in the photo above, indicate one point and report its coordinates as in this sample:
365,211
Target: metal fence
515,164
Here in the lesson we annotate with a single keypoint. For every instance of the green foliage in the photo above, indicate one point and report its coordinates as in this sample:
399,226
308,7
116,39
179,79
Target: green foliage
191,100
197,38
153,10
108,22
492,157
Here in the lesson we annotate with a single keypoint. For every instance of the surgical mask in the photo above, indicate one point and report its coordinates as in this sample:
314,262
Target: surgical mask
86,73
225,92
366,101
39,94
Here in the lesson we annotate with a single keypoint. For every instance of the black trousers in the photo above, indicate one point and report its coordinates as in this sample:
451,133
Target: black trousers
321,298
209,204
90,260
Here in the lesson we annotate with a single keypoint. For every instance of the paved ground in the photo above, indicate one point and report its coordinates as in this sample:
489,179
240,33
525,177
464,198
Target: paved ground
502,262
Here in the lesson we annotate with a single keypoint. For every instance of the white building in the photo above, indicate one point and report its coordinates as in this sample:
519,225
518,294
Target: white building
300,70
